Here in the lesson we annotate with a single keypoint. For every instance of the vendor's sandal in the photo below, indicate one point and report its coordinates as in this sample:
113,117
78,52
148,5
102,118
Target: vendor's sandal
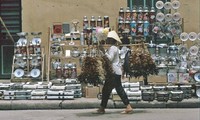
99,112
127,111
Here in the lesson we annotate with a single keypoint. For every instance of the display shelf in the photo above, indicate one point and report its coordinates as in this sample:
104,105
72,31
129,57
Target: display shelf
28,59
30,73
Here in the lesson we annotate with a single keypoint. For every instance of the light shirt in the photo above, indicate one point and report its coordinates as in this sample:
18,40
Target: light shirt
122,54
113,56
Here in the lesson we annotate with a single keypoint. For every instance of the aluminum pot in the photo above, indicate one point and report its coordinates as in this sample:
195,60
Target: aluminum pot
75,52
182,70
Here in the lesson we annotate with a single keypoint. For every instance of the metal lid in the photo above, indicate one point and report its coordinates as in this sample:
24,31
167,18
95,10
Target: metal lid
127,9
99,18
121,9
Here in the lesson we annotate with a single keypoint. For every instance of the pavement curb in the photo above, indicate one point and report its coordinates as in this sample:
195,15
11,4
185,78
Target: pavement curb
86,103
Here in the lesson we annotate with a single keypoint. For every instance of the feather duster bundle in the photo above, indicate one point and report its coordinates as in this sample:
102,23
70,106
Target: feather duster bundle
95,70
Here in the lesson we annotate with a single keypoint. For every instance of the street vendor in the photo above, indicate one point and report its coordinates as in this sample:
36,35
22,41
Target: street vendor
113,55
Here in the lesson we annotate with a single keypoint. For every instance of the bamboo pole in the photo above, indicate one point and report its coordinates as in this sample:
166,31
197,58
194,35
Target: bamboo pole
2,22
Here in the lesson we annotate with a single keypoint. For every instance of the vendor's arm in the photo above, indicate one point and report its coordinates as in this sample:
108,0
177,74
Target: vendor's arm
111,53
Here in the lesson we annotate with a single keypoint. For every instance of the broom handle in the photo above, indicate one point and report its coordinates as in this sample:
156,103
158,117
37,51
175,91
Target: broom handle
7,29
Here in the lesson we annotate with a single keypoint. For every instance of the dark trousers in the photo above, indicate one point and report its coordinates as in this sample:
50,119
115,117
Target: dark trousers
108,87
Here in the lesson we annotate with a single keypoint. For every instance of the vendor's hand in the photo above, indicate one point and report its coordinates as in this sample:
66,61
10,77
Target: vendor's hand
102,49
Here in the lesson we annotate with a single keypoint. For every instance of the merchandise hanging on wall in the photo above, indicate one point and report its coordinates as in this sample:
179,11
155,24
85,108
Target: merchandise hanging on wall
28,58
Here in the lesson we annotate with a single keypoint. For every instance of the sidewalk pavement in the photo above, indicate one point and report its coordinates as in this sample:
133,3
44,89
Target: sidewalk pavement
86,103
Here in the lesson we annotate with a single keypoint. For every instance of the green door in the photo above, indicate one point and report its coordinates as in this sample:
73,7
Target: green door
10,13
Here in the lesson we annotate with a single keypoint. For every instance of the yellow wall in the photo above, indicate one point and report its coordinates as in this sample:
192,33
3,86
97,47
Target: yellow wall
38,15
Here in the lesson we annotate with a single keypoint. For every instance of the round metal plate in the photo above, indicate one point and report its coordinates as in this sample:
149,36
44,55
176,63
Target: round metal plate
19,73
194,50
176,16
175,4
198,92
168,17
198,36
192,36
167,5
160,16
22,41
35,73
184,36
197,77
36,40
159,4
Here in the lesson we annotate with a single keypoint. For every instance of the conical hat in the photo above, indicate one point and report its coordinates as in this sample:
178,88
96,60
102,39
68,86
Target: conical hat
113,34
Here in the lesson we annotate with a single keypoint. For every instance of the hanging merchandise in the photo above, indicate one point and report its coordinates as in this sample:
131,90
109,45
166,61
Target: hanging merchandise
101,33
159,4
168,17
57,28
58,72
106,22
17,50
152,15
173,50
127,14
175,4
167,5
121,26
24,49
89,36
19,73
174,28
21,45
94,38
73,72
192,36
194,50
140,28
160,16
157,27
176,16
31,48
75,52
198,36
140,14
183,51
134,14
66,71
20,62
141,63
82,38
34,61
133,28
162,50
22,38
146,28
184,36
36,38
36,41
121,14
95,70
37,49
99,22
152,49
93,22
127,27
197,79
57,66
172,77
85,23
146,14
35,73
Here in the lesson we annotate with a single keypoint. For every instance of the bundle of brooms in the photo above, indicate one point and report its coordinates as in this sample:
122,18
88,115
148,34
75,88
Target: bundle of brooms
95,70
140,63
